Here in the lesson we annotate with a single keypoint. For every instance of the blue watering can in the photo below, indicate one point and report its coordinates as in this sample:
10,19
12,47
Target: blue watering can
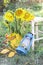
25,44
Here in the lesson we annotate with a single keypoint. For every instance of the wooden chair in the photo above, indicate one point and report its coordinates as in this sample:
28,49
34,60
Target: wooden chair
35,21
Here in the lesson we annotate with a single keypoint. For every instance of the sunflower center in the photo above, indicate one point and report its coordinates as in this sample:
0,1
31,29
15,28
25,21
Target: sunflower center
19,12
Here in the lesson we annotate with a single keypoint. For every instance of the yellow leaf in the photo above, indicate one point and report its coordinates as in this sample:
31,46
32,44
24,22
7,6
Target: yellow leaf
11,54
4,51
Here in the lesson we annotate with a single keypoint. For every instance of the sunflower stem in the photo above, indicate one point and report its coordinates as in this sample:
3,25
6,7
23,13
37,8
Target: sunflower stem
9,28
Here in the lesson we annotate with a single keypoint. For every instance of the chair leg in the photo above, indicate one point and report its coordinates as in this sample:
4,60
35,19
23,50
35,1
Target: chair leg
33,45
37,34
32,24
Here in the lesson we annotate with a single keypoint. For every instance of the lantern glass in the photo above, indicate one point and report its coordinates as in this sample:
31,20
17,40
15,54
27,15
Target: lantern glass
25,43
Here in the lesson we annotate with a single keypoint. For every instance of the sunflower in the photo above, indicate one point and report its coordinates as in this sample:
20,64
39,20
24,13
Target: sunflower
10,37
19,13
27,16
9,16
14,39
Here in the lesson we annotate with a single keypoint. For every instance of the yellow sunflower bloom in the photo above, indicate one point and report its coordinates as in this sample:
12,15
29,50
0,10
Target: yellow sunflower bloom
27,16
19,13
10,37
9,16
14,39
